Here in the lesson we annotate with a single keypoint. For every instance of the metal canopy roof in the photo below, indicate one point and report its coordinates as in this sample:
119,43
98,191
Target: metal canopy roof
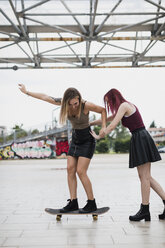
82,34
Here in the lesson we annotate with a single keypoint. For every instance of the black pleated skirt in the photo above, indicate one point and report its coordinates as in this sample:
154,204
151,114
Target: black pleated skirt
142,148
82,144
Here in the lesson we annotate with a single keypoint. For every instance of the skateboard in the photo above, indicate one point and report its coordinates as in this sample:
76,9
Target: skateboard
94,214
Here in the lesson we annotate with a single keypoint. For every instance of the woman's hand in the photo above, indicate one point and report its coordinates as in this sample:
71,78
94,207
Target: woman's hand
102,132
22,88
97,137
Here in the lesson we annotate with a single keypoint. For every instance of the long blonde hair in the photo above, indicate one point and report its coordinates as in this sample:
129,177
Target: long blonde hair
69,94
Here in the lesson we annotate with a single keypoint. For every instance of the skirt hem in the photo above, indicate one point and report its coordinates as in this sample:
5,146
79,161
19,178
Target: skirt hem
153,161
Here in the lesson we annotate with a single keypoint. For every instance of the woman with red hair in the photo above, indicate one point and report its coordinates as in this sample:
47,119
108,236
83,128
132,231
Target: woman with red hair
142,147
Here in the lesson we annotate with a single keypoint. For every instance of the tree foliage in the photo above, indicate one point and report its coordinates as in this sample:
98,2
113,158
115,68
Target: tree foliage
118,140
18,132
152,125
122,146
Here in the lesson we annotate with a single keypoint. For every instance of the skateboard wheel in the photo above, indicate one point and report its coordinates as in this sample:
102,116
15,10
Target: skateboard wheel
58,217
95,217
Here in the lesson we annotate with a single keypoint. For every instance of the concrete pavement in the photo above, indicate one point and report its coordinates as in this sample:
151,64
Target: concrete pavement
27,187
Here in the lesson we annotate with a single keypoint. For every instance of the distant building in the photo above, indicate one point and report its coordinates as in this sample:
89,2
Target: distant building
158,134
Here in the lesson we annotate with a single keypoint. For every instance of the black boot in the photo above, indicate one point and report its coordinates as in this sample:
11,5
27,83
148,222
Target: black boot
89,207
71,206
162,216
143,213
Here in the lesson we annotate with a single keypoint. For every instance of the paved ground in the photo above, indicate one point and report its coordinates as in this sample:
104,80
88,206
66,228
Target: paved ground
27,187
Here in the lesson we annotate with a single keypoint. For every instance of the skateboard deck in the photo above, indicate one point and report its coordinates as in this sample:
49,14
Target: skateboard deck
94,214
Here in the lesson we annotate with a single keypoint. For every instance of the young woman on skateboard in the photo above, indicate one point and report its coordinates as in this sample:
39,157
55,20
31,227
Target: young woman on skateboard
142,147
82,146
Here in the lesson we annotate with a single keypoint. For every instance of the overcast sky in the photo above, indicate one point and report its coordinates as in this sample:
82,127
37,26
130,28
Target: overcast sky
144,87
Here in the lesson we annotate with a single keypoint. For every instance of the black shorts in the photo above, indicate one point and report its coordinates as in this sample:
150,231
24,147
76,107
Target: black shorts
82,143
142,148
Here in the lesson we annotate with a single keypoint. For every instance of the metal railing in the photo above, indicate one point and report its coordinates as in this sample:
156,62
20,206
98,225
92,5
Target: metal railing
18,136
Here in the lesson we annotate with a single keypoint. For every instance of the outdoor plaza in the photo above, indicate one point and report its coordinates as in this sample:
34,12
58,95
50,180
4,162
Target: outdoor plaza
52,45
27,187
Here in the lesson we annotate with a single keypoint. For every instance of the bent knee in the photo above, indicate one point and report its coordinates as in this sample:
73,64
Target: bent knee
71,169
81,173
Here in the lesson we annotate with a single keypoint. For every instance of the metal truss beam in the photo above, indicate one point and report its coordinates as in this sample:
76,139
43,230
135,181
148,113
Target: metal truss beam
155,4
127,27
79,24
89,39
91,14
119,38
94,67
75,28
99,28
105,59
33,6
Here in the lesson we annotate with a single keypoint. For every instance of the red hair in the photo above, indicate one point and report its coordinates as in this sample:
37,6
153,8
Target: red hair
112,100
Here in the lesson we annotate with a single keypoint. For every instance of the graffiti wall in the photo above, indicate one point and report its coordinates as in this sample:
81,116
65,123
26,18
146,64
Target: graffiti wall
34,149
6,153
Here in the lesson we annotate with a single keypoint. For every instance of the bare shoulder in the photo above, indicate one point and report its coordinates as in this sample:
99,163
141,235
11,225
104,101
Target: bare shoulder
90,105
124,105
87,104
127,108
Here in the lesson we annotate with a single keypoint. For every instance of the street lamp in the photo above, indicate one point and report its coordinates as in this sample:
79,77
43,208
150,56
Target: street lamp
53,116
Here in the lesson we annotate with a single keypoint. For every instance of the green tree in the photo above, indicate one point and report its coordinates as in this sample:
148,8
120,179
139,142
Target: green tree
162,143
152,124
97,129
20,132
122,145
35,131
119,136
1,140
120,132
102,146
117,140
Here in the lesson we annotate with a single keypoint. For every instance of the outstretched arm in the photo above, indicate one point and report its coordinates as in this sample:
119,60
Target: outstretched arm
41,96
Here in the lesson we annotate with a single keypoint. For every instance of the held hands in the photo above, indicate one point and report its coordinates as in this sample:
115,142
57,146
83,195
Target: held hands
102,133
22,88
97,137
